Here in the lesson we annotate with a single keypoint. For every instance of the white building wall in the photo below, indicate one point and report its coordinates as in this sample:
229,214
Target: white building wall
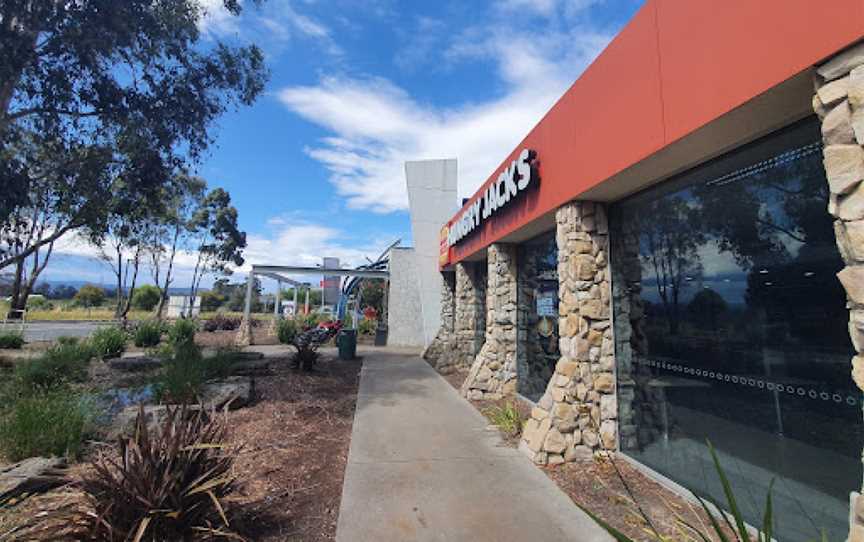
433,199
404,320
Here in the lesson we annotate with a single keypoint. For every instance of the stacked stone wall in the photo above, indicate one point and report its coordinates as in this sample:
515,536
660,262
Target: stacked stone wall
493,372
839,102
439,352
469,315
577,414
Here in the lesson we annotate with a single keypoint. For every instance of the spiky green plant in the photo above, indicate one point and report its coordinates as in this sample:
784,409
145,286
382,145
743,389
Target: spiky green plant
108,342
45,422
148,333
66,361
725,526
506,417
182,332
166,483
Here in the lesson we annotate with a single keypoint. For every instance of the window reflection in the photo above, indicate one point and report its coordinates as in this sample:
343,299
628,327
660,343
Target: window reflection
731,325
538,353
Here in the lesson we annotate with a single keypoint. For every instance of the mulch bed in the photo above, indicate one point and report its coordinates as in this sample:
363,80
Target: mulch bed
294,450
599,486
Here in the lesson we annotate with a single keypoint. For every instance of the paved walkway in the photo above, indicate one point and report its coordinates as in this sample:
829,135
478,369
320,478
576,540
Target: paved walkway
423,465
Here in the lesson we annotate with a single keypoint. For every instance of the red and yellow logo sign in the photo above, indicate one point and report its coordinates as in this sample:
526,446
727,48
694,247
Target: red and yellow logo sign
444,247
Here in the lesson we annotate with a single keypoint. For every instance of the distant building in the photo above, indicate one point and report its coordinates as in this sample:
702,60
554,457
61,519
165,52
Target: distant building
178,305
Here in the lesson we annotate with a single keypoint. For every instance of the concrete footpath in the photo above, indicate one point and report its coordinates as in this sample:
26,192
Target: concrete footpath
424,465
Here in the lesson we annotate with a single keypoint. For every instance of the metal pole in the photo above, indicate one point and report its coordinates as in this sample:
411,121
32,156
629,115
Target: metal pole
277,309
295,309
306,306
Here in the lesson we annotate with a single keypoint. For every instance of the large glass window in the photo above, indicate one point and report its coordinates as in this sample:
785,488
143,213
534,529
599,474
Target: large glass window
732,326
537,350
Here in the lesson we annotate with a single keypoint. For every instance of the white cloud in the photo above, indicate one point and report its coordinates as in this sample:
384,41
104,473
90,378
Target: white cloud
543,7
377,126
272,25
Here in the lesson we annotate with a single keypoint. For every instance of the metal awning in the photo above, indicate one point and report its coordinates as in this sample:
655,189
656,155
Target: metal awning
282,270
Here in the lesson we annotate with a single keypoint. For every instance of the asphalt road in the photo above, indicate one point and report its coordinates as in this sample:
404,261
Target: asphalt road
49,331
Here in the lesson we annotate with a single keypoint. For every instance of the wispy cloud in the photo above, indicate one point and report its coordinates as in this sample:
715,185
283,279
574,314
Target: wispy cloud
272,25
376,125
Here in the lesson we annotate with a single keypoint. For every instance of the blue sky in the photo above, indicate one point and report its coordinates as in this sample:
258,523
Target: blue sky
360,86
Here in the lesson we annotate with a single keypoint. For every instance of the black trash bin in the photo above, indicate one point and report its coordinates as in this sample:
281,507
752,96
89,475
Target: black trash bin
347,342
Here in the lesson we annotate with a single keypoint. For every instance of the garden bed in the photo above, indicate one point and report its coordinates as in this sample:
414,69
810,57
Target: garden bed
598,485
292,439
295,447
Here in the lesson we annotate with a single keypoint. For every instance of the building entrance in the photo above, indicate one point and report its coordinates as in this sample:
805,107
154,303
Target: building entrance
537,351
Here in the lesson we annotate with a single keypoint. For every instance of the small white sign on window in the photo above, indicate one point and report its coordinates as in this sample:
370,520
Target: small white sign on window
546,304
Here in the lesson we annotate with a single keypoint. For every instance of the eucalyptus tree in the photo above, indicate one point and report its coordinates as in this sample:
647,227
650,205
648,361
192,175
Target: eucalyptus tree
215,237
92,91
169,233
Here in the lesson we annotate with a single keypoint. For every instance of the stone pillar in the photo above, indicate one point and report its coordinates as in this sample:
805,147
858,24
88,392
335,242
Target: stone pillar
493,372
439,352
578,413
469,315
839,102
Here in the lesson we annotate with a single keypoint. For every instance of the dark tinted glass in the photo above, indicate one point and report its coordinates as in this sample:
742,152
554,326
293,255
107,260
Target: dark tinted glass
732,326
538,352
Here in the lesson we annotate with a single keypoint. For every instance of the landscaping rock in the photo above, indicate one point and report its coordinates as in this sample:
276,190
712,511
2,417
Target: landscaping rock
124,422
232,393
33,475
134,364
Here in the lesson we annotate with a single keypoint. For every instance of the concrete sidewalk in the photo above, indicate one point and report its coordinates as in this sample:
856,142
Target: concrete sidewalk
423,465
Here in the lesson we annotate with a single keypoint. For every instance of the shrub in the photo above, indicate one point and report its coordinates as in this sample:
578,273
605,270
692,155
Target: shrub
165,484
182,332
108,342
286,331
39,303
179,382
90,296
45,423
211,301
146,297
148,333
11,340
221,322
507,418
66,361
367,327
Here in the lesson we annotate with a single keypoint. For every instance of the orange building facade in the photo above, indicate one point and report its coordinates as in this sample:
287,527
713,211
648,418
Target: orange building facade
675,254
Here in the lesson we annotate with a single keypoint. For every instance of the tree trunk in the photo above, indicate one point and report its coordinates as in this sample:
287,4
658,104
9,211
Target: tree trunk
163,297
128,304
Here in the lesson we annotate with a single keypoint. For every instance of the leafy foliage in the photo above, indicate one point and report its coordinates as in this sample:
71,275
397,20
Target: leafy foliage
11,340
219,241
148,333
108,342
146,297
49,422
367,326
90,296
286,331
166,484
